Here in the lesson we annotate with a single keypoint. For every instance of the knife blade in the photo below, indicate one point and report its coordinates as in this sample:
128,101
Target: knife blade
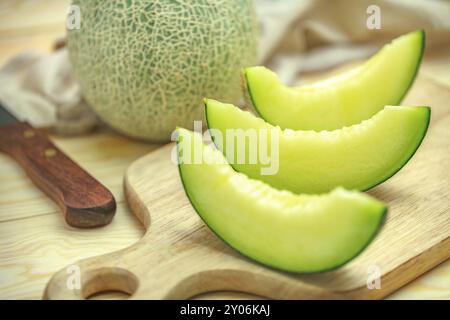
84,201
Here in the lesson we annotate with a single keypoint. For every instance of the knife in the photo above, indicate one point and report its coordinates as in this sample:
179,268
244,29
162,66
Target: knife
85,202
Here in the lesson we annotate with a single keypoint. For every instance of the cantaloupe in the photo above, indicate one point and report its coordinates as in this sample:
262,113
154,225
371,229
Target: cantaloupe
296,233
305,161
344,99
144,66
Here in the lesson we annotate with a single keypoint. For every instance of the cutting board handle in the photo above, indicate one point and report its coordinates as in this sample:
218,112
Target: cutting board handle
165,279
89,277
129,271
135,271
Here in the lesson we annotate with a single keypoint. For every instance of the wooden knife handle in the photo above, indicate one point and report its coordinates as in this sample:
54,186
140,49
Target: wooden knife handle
84,201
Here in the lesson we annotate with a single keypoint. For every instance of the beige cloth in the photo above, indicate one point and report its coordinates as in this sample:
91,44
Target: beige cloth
40,88
311,35
297,37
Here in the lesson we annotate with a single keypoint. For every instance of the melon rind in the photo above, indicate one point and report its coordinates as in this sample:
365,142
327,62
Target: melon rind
356,157
282,230
344,99
144,66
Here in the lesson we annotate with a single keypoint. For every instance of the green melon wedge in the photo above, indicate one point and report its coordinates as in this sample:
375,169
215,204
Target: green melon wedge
342,100
356,157
296,233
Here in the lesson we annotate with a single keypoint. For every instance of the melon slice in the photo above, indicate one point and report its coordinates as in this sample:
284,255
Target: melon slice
356,157
343,100
297,233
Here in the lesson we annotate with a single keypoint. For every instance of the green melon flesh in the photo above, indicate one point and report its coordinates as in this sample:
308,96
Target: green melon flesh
345,99
144,66
297,233
357,157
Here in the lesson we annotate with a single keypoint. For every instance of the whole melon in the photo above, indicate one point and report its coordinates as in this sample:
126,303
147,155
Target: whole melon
145,65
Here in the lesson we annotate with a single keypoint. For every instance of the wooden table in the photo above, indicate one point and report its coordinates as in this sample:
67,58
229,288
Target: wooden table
35,242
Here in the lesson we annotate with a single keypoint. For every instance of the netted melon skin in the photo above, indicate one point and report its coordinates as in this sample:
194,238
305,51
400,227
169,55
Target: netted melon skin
145,65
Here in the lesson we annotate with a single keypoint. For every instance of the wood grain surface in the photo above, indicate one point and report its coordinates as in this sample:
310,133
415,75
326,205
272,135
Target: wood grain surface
35,242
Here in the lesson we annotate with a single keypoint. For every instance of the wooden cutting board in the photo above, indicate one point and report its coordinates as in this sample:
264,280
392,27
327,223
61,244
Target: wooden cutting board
179,257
